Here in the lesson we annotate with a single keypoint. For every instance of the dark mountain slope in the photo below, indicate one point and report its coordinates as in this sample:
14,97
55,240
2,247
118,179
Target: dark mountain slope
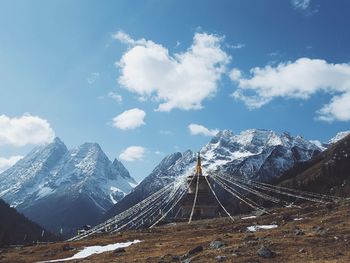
17,229
328,172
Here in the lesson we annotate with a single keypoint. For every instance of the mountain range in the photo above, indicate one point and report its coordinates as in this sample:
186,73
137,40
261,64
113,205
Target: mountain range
262,155
63,189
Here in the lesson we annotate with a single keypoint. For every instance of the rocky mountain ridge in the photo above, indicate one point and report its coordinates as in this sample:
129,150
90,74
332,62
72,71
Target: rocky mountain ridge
257,154
61,188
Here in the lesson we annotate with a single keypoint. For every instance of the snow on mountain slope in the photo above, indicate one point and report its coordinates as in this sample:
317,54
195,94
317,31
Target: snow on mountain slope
51,180
338,137
324,146
29,174
259,154
172,166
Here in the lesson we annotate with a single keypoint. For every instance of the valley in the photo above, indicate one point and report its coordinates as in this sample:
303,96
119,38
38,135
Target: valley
312,233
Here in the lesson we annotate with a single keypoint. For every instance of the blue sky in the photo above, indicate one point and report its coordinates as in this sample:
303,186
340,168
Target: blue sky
70,68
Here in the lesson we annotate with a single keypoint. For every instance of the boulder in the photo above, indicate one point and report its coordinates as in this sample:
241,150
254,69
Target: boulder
265,252
216,244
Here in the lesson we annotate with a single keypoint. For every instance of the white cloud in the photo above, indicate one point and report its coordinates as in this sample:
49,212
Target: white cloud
238,46
300,80
301,4
337,109
124,38
130,119
132,153
93,77
25,130
115,96
196,129
158,152
6,163
182,80
235,74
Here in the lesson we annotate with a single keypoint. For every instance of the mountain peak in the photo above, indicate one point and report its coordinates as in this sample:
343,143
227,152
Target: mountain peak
222,135
225,133
121,168
57,140
338,137
90,145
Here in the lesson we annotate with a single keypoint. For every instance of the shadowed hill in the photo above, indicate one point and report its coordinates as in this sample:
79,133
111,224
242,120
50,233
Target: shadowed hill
328,172
17,229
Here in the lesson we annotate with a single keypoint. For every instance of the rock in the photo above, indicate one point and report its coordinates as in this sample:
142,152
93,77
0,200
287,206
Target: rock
193,251
249,237
252,242
175,258
286,217
220,258
298,232
119,251
320,230
188,260
67,247
216,244
169,258
265,252
339,254
235,251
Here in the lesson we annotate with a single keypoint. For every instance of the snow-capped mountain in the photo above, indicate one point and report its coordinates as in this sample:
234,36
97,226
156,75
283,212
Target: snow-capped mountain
57,187
324,146
259,154
338,137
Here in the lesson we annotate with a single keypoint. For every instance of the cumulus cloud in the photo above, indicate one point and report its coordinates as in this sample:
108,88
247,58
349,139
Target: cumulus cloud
300,80
182,80
6,163
132,153
129,119
301,4
25,130
196,129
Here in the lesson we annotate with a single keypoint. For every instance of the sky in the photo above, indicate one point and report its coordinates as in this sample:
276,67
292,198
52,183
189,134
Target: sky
148,78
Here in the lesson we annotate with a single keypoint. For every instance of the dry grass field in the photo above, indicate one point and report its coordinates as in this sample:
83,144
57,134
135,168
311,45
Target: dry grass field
321,233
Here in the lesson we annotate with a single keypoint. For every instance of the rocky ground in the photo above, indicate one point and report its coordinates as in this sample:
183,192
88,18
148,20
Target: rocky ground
321,233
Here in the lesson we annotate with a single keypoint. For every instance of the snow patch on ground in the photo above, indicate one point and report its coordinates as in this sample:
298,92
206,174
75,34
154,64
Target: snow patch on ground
256,227
88,251
298,219
248,217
